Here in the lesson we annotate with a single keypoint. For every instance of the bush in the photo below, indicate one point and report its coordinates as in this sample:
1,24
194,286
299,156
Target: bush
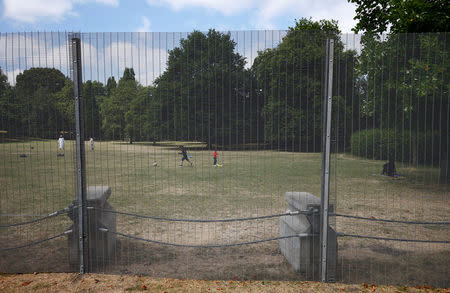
402,146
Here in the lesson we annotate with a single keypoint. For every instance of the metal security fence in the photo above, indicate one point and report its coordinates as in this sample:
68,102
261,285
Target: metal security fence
37,177
298,155
390,182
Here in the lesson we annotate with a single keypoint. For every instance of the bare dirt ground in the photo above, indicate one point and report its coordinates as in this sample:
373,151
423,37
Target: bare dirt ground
73,282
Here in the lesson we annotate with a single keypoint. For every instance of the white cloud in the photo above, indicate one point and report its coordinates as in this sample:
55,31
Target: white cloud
23,51
31,11
227,7
145,27
264,12
105,2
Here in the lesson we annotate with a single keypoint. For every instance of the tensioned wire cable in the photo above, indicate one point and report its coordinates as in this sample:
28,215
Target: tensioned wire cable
36,242
51,215
390,221
211,245
392,239
293,213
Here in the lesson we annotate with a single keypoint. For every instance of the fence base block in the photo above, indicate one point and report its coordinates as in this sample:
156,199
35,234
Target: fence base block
303,252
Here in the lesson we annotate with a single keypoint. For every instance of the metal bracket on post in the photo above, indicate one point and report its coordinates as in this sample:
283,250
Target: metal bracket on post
80,160
326,146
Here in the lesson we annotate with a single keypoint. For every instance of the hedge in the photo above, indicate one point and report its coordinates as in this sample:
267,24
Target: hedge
380,144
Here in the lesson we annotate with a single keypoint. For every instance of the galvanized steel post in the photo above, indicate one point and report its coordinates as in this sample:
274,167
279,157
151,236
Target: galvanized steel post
80,160
326,145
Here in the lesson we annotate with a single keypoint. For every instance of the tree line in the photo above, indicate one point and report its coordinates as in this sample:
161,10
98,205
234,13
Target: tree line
399,83
207,93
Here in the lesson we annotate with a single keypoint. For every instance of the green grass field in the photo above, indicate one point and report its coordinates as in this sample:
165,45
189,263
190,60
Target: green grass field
250,183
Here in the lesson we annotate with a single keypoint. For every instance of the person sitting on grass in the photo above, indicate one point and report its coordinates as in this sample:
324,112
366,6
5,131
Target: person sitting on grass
389,168
183,152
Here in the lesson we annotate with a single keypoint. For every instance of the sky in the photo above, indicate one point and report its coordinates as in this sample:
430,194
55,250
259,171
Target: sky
167,15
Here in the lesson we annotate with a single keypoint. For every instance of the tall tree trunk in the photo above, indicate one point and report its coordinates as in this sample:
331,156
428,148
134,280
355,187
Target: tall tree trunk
444,163
414,156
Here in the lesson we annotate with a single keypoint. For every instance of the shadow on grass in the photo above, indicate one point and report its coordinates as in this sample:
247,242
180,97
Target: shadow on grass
251,262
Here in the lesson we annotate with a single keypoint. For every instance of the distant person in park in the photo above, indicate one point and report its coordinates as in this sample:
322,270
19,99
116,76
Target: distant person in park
215,154
91,143
184,155
389,168
61,144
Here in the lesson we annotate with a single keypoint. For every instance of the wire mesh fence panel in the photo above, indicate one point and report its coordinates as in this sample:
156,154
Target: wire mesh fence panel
37,152
191,132
390,182
203,154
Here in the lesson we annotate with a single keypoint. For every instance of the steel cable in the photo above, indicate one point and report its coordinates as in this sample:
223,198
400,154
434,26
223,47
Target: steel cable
51,215
206,246
392,239
204,221
36,242
391,221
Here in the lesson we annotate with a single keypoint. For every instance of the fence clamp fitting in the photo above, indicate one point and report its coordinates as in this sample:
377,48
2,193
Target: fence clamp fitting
293,213
103,229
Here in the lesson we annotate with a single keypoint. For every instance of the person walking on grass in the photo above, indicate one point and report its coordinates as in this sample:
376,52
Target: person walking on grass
215,154
61,144
184,155
91,143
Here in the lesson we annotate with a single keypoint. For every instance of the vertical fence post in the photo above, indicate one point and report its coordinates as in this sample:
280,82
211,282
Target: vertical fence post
80,160
326,143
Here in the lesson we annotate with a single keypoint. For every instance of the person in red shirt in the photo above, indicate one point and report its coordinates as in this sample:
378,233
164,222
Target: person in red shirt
215,154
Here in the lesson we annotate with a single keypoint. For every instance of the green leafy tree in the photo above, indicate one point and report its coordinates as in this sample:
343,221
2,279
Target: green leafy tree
9,114
290,77
35,91
138,125
402,16
128,74
407,88
65,106
111,84
115,106
407,74
205,92
93,94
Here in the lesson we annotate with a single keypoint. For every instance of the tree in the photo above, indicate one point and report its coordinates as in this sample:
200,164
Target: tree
66,107
9,119
35,92
114,107
424,75
93,94
128,74
290,78
111,84
407,89
402,16
205,92
138,125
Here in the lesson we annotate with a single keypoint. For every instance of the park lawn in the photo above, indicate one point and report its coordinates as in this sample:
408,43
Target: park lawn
250,183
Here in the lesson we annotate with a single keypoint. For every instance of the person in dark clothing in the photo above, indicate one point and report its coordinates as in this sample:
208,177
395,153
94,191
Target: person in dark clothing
184,155
389,168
